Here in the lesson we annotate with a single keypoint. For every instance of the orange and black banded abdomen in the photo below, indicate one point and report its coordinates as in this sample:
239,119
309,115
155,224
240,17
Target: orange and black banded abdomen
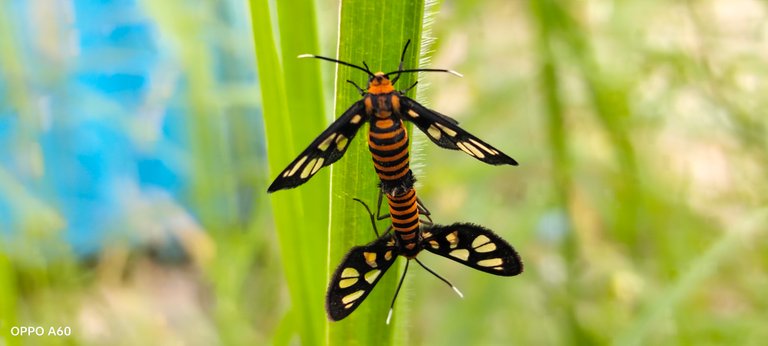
404,213
388,143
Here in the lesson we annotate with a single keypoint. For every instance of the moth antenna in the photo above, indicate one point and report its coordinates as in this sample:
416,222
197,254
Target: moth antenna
402,278
402,59
427,70
455,289
366,69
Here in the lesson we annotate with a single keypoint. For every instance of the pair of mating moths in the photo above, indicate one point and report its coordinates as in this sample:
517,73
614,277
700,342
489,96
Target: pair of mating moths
385,108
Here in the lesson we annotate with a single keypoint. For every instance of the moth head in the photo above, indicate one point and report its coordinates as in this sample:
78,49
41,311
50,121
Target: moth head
379,83
379,79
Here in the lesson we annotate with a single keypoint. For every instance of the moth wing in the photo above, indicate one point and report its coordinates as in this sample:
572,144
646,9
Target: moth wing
326,149
445,132
473,246
357,274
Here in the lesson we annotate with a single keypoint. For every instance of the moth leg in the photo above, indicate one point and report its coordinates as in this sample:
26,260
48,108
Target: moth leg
370,213
423,210
409,88
378,209
359,89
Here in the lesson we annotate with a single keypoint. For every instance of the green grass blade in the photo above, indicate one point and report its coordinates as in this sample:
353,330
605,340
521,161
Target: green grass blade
374,32
300,214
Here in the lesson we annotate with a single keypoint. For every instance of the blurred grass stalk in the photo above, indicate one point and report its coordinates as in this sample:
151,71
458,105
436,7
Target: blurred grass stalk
213,167
293,108
547,15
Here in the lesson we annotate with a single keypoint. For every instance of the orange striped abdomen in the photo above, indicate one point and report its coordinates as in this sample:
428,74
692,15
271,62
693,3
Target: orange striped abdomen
388,143
404,213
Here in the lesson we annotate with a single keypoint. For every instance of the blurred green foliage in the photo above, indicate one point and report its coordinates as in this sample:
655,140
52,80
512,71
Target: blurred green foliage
638,206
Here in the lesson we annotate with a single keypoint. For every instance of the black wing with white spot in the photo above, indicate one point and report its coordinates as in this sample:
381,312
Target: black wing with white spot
474,246
445,132
358,273
324,150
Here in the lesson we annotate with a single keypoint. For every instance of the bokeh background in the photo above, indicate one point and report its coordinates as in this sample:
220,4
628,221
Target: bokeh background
133,173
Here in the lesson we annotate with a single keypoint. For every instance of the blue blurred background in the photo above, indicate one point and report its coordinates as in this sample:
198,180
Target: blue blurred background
94,121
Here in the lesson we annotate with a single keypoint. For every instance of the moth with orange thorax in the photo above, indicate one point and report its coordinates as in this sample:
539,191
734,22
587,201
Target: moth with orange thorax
385,109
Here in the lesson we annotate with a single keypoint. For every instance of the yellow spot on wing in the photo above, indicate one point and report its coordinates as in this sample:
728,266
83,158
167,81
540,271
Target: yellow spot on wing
490,262
412,113
297,166
349,272
372,275
434,244
486,248
480,240
326,143
307,171
344,283
352,297
341,142
318,165
356,119
388,255
462,254
370,258
453,239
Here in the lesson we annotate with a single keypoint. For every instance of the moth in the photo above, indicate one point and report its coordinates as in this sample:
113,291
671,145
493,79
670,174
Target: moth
385,109
363,266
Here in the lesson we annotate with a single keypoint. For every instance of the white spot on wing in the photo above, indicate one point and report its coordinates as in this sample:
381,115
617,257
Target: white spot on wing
464,148
462,254
434,132
480,240
486,248
447,131
493,152
474,150
490,262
